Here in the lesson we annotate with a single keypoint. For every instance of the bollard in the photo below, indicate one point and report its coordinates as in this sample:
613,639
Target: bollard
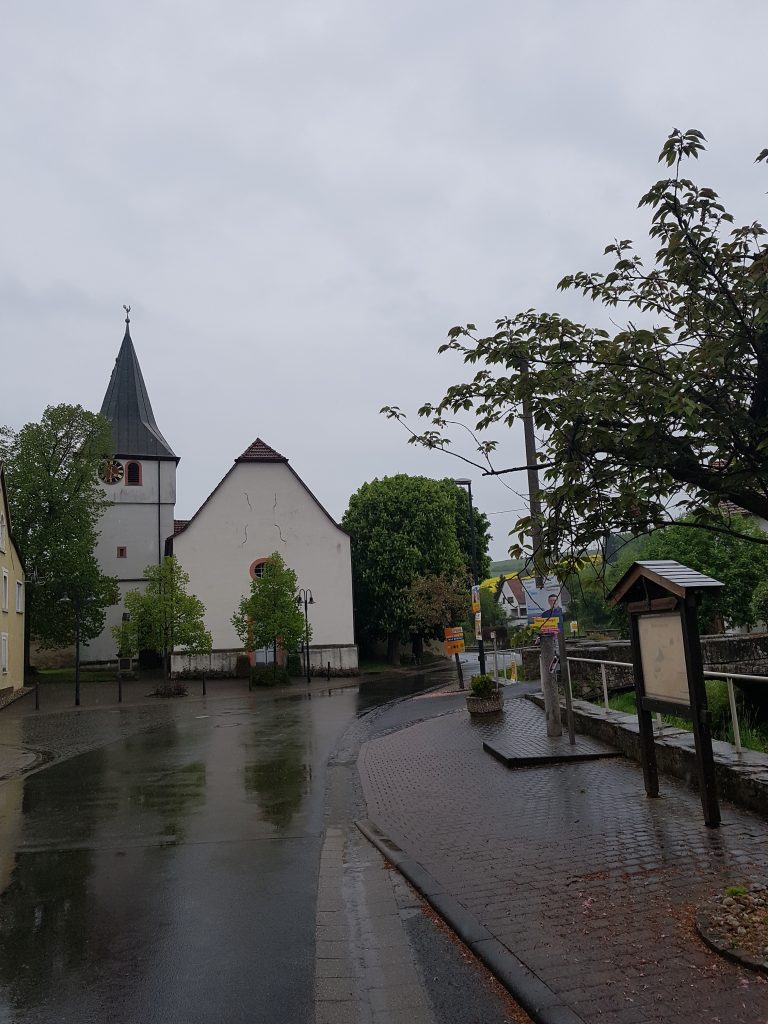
204,684
37,696
119,687
329,671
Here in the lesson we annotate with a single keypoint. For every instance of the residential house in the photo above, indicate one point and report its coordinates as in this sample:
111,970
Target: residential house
11,601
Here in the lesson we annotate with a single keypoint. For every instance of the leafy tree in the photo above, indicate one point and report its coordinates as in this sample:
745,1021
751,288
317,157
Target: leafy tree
269,615
730,556
760,602
163,617
402,527
482,534
670,409
56,503
436,602
491,615
735,562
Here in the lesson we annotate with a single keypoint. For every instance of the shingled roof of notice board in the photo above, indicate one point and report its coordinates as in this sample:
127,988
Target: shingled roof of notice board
670,575
135,434
260,451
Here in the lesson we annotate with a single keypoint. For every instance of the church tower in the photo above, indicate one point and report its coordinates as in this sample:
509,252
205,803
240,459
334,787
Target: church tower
140,481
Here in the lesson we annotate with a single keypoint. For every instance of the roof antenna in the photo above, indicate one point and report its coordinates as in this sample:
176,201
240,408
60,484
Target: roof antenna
127,313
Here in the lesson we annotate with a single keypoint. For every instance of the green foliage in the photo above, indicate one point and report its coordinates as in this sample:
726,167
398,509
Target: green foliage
482,533
436,602
668,409
163,617
491,615
735,562
754,735
482,686
507,567
270,615
736,890
522,637
760,602
294,666
55,503
269,675
402,527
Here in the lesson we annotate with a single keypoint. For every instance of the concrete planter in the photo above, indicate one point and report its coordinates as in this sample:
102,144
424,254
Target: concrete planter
485,705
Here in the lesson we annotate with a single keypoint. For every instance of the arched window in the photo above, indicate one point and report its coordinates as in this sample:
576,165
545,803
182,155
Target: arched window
256,568
133,473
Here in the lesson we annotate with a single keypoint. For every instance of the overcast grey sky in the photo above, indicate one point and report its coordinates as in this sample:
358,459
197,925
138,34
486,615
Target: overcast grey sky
300,198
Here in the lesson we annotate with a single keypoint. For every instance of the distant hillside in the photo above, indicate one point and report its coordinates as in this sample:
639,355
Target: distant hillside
509,565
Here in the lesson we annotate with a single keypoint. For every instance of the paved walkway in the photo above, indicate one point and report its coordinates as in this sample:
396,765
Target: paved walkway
584,879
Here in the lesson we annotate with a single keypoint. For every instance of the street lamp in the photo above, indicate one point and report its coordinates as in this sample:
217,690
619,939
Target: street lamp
305,595
75,601
468,484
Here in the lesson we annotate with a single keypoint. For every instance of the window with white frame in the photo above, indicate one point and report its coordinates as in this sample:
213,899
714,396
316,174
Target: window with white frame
5,591
4,653
19,596
2,531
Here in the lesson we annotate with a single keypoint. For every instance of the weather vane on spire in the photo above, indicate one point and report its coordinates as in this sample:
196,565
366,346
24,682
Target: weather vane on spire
127,313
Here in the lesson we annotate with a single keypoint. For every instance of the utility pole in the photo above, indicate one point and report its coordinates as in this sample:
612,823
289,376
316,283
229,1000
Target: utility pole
473,549
547,650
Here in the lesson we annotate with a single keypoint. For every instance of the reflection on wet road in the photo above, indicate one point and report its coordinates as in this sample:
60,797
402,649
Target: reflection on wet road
172,876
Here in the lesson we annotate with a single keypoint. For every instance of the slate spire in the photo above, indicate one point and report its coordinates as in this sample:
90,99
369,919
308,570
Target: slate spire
126,405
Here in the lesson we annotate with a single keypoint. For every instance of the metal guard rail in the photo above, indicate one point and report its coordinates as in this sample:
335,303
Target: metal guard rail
728,676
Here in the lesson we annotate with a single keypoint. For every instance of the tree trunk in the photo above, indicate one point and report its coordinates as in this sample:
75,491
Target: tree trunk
417,649
549,686
393,649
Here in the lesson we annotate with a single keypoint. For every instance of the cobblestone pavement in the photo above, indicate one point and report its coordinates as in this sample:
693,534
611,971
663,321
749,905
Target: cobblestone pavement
381,956
582,877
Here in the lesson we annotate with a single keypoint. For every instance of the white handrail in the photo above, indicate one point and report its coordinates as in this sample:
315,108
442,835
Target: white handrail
708,674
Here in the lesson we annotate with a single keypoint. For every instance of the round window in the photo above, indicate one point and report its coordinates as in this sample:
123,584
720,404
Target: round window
256,569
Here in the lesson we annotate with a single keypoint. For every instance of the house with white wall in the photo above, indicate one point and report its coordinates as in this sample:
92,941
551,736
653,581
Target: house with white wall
12,598
260,506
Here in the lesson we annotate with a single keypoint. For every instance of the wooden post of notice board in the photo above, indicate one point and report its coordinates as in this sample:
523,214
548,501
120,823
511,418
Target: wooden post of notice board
661,599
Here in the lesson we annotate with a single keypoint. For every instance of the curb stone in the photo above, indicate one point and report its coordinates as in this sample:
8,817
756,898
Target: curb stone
537,999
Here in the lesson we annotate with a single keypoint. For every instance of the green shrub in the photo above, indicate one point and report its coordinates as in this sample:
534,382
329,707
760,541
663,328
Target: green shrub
268,675
717,702
295,665
482,686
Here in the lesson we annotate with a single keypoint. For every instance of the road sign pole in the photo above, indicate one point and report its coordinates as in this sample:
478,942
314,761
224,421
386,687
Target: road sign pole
458,669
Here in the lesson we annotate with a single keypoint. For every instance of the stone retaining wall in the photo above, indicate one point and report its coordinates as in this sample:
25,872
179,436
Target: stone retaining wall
742,778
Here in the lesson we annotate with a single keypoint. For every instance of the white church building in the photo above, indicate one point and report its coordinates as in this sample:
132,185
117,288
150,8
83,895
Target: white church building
261,505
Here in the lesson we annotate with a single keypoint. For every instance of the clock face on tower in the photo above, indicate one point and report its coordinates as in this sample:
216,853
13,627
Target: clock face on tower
111,472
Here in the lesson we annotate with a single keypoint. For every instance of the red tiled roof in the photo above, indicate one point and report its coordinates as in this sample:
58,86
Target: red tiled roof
259,451
517,589
179,525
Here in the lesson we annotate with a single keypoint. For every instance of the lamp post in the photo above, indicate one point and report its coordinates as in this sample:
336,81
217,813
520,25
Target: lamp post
473,549
305,595
75,602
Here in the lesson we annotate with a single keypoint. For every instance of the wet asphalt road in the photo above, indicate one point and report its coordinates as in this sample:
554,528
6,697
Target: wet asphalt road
171,876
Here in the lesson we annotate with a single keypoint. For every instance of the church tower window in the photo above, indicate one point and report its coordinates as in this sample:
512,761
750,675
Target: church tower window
133,473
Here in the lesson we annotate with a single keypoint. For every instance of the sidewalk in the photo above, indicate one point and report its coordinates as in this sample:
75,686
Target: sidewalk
573,869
